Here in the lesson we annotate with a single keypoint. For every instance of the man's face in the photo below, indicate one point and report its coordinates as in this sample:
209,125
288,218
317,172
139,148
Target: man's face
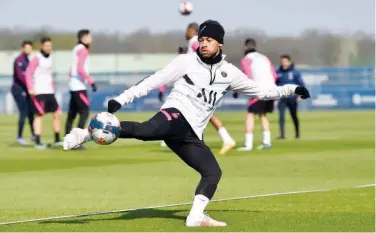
285,63
87,39
208,46
47,47
27,49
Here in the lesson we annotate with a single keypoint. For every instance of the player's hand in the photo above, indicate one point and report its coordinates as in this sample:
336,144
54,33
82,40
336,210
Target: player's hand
302,92
235,95
94,87
161,96
31,92
113,106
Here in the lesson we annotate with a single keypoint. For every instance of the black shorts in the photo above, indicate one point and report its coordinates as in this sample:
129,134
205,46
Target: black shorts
260,106
79,101
45,103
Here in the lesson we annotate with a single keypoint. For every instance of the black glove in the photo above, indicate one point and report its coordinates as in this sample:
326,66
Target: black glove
235,95
161,96
113,106
302,92
94,87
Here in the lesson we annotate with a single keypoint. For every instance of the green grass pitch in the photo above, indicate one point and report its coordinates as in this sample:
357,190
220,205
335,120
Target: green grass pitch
336,153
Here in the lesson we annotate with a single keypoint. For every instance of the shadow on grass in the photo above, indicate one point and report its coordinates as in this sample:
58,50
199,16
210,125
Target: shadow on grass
137,214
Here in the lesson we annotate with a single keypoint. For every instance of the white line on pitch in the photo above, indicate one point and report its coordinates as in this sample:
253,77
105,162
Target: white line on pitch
365,185
169,205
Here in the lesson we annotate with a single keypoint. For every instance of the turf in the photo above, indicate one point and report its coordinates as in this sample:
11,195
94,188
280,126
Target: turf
336,153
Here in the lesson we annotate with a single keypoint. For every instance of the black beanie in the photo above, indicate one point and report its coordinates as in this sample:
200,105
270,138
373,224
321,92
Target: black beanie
213,29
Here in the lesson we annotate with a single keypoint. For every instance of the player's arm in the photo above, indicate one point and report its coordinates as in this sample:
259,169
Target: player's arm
170,73
82,55
246,66
241,83
298,78
30,70
17,67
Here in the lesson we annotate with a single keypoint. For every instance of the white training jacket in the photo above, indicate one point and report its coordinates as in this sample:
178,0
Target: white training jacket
199,87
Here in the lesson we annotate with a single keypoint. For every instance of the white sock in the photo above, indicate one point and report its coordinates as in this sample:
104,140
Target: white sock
199,204
249,140
86,135
226,138
266,138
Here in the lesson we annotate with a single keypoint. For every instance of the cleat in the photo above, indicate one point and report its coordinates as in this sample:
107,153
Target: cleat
80,147
204,221
40,146
264,147
33,139
281,138
226,147
57,144
22,142
75,138
245,148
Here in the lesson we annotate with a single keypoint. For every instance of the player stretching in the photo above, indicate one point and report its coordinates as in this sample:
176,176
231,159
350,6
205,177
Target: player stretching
258,68
79,102
200,81
40,86
193,44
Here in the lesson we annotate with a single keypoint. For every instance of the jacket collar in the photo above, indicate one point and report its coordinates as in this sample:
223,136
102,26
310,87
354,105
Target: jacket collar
292,67
208,65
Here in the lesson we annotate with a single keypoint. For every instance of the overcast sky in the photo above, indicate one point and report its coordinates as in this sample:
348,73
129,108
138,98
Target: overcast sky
275,17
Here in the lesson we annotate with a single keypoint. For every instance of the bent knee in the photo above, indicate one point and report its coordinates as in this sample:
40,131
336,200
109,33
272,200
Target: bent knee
213,175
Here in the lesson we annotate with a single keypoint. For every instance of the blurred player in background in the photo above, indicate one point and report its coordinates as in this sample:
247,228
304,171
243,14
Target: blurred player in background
79,77
40,86
287,74
191,35
19,91
258,68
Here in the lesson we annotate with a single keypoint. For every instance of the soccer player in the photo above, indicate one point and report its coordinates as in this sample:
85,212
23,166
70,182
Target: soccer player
258,68
287,74
79,77
228,142
19,91
40,86
200,80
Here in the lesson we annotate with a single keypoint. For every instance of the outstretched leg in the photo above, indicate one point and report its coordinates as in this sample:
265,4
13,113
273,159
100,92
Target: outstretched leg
160,126
165,124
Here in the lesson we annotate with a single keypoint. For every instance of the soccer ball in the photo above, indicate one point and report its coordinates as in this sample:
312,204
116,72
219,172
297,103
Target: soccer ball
104,128
185,8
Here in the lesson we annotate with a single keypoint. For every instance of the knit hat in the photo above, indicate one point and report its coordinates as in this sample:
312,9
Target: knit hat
213,29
